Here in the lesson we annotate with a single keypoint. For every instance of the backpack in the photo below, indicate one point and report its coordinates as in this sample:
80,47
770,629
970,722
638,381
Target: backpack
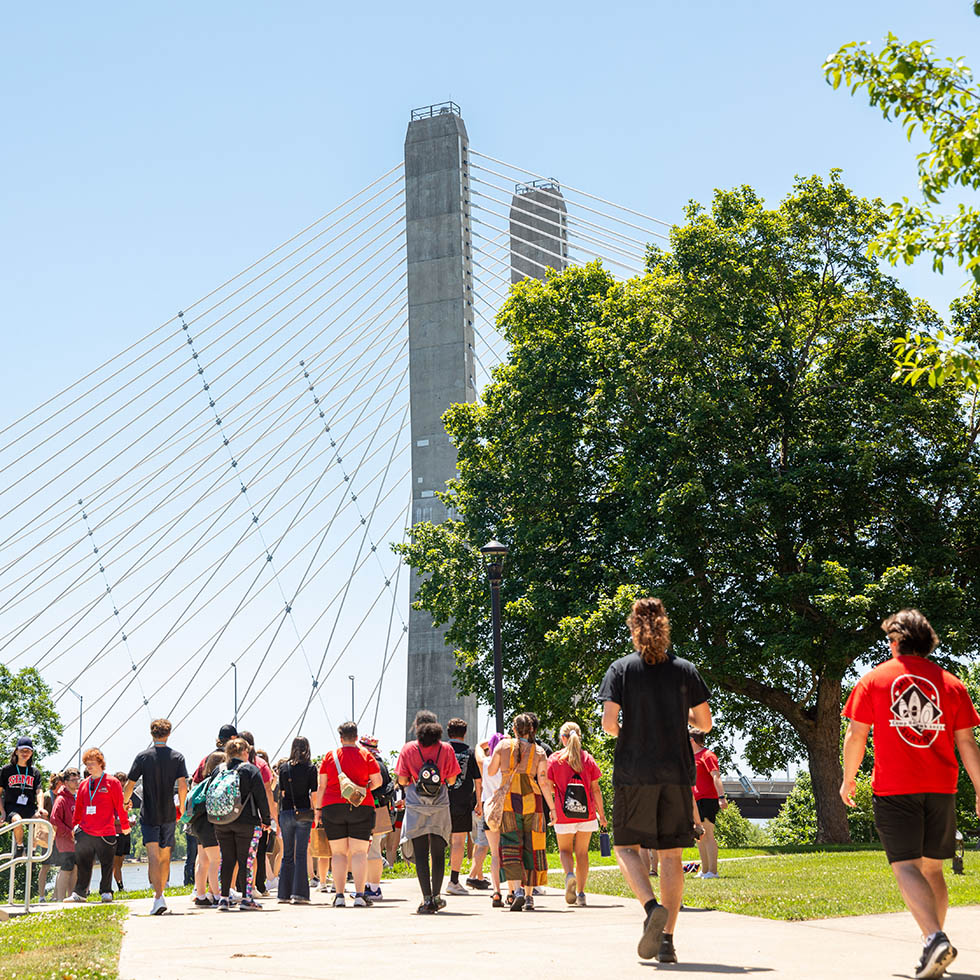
575,805
429,781
385,793
195,803
223,797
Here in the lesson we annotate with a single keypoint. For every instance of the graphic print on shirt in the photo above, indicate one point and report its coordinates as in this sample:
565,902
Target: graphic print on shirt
916,712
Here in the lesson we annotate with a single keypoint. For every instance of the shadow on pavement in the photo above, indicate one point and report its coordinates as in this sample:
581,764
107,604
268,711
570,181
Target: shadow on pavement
706,967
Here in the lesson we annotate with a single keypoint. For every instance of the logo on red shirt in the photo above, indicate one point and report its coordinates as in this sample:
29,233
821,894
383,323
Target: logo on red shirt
916,714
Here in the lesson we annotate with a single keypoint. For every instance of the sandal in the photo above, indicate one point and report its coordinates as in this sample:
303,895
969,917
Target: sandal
498,902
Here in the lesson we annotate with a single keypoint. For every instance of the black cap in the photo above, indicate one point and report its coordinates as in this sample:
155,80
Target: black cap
24,742
226,732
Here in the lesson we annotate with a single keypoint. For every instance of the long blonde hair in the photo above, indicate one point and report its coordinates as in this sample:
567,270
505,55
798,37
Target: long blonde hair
573,747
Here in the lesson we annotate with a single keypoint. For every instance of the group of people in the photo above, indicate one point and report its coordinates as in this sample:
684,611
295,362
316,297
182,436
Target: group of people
347,816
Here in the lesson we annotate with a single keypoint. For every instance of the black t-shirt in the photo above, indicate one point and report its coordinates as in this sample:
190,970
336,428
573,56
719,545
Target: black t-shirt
161,767
462,798
18,781
653,744
296,784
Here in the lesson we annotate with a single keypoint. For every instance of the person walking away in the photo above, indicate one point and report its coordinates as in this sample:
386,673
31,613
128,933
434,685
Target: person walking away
489,786
659,695
347,776
297,790
920,716
383,799
709,800
207,884
579,808
123,841
426,767
23,789
239,825
63,821
161,769
520,803
266,772
98,803
463,796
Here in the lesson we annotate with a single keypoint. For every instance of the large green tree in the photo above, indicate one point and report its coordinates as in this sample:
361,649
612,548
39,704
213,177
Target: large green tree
725,433
27,708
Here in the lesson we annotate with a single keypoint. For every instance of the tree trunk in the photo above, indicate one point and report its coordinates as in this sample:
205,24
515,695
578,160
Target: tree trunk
826,772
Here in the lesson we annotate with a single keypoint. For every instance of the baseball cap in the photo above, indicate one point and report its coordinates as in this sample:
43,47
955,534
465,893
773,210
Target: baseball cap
226,732
24,742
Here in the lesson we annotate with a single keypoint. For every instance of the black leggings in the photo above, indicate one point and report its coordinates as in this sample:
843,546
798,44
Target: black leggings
235,841
87,849
423,846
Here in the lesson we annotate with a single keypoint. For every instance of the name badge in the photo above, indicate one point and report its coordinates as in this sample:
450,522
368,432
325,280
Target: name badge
22,800
90,810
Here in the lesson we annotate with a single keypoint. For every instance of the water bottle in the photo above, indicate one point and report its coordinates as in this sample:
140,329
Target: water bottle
605,847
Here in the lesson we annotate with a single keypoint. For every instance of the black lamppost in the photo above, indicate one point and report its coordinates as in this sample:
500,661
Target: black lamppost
495,552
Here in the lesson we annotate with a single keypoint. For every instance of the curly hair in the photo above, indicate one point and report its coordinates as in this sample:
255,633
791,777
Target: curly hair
912,631
650,627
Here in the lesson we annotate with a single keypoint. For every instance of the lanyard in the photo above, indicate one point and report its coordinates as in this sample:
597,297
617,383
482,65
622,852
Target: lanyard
27,769
91,792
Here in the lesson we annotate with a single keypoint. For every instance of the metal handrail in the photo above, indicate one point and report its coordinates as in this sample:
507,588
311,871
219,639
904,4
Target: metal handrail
439,109
10,861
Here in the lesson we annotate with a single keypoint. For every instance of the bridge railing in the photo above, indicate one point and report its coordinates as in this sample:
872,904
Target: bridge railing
12,860
439,109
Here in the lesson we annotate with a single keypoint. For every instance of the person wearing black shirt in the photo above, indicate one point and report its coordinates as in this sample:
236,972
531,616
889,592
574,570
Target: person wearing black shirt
161,769
659,694
239,840
463,796
23,791
297,781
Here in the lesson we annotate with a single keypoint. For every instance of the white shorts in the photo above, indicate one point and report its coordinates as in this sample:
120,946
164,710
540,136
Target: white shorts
585,826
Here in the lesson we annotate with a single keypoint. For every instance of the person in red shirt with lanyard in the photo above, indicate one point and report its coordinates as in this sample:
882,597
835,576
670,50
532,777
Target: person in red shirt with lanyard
920,715
98,803
709,798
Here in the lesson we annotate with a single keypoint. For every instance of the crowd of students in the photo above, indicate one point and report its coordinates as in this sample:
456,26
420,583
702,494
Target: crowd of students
348,816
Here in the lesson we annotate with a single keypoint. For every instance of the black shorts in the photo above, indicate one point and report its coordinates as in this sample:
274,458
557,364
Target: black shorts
659,816
122,845
916,825
462,822
63,859
708,808
341,820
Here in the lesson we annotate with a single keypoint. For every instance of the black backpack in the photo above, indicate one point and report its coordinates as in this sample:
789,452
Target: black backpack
385,793
576,802
429,781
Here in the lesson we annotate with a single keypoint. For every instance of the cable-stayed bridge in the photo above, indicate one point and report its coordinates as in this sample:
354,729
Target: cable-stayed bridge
211,510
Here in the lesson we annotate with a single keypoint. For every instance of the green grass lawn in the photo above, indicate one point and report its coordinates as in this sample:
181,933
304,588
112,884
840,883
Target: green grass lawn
74,944
811,885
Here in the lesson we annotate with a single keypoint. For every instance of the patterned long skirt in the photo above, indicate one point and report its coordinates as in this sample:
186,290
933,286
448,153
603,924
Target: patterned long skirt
522,834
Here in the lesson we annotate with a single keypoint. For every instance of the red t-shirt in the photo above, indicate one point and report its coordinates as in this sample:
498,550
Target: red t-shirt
560,773
105,796
264,768
707,763
410,761
915,707
358,765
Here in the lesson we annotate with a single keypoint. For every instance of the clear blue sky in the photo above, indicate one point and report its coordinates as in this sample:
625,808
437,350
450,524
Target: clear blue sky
153,150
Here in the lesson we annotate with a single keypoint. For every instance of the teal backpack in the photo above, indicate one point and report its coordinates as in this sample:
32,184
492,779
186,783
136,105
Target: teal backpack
195,803
223,796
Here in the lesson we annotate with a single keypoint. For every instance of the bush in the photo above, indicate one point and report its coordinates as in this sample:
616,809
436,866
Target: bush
796,822
734,830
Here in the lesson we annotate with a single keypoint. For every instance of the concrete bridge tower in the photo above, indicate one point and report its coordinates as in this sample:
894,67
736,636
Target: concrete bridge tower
538,230
440,331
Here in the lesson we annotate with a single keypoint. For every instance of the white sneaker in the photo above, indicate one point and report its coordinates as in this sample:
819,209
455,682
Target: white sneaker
106,898
234,896
159,906
708,874
75,897
455,888
272,883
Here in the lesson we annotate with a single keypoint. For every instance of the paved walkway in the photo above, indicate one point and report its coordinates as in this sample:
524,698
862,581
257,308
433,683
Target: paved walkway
317,941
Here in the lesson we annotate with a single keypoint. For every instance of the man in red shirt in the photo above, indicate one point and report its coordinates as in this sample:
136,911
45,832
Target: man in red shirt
921,716
709,797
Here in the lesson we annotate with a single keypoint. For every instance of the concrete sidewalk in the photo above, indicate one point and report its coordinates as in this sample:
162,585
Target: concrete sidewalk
317,941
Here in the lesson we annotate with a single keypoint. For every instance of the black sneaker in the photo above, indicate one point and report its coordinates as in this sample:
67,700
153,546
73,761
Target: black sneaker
935,957
426,908
667,953
653,931
203,903
518,903
439,902
480,884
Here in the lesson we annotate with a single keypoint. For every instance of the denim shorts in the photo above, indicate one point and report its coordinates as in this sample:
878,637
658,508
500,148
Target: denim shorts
162,834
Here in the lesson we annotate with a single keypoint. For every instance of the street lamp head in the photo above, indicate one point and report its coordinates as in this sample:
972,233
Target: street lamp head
493,550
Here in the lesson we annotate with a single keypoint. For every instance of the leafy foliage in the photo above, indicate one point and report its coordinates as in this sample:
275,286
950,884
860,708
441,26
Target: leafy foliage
26,708
796,822
966,813
725,433
734,830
